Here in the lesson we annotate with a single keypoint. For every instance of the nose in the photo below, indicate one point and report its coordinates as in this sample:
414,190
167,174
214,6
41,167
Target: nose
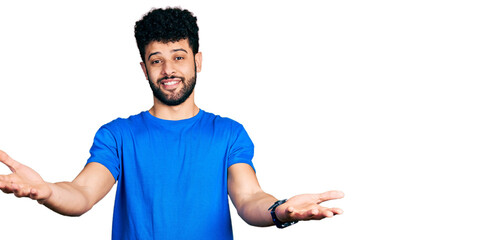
168,68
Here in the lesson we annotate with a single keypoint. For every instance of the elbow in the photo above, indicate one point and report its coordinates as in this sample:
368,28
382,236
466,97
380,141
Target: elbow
74,213
71,211
78,213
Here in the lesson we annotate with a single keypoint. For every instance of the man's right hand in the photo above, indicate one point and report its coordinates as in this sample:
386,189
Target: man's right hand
67,198
23,181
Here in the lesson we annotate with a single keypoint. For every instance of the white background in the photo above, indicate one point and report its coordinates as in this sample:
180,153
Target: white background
396,103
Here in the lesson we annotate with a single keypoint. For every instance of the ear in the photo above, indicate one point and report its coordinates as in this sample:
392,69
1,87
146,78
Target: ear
198,61
145,71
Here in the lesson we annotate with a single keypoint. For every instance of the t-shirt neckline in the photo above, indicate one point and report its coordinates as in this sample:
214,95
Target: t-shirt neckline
149,116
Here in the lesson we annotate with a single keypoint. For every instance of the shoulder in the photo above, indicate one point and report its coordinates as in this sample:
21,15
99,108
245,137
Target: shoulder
221,121
226,126
119,124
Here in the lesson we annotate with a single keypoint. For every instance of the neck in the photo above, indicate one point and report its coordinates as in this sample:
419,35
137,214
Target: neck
185,110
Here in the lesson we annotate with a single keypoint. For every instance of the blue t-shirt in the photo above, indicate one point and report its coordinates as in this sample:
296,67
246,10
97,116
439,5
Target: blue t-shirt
171,175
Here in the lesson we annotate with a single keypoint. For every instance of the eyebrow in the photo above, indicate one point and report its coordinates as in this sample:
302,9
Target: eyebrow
179,49
173,50
151,54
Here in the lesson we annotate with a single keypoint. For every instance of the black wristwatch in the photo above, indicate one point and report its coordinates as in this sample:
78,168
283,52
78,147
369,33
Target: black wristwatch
277,222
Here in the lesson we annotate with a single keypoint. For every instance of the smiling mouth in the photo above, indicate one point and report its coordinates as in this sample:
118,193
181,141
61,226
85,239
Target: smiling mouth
170,83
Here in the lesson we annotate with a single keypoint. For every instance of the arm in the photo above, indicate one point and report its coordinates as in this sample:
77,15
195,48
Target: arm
67,198
252,202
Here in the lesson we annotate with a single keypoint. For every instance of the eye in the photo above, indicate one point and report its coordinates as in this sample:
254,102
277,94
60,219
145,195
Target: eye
155,61
179,58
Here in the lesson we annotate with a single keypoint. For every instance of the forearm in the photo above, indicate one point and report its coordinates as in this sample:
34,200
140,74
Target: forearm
252,203
254,209
68,199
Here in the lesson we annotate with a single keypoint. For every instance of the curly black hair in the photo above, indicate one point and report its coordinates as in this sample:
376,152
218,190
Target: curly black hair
166,25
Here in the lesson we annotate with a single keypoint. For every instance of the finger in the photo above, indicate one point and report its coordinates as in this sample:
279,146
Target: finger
33,194
6,190
331,212
336,211
330,195
16,189
5,187
328,214
20,190
11,163
321,214
3,184
6,184
318,214
314,212
306,215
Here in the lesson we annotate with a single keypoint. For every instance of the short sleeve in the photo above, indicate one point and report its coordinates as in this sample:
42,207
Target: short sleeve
104,150
242,149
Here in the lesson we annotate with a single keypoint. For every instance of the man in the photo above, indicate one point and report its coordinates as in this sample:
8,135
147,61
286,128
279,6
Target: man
174,164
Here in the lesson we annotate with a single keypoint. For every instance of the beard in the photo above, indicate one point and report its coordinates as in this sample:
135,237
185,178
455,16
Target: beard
175,98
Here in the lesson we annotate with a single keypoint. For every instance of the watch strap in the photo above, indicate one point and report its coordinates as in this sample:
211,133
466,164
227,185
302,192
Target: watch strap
277,222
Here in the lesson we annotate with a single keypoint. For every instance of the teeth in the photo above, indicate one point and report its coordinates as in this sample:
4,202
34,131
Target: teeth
170,83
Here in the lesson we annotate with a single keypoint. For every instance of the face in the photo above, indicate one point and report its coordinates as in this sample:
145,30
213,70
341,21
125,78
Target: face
171,69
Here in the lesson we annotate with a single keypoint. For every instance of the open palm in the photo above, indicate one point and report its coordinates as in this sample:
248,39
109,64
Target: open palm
306,207
23,181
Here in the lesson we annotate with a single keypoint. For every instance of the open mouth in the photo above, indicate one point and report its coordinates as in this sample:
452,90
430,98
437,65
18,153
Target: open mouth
170,83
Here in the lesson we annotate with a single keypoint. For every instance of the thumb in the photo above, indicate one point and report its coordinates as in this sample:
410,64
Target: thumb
330,195
8,161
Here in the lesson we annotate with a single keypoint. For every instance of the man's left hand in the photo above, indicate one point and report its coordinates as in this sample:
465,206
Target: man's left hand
306,207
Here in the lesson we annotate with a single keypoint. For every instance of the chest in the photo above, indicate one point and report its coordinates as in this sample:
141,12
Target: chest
175,159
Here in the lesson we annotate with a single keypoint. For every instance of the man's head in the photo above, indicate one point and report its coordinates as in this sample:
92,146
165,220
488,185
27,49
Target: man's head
168,43
166,25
